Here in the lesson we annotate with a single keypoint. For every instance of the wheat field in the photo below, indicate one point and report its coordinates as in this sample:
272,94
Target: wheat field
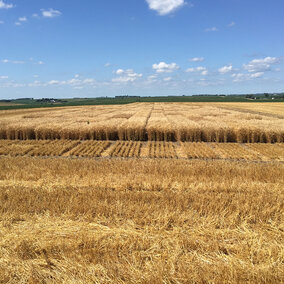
143,193
140,221
137,149
191,122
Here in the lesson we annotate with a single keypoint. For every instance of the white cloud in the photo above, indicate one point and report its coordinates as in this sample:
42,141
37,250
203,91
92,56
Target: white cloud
167,79
22,19
225,69
200,69
74,82
51,13
164,7
197,59
107,64
12,61
3,77
213,29
163,67
256,75
119,71
40,63
239,77
232,24
5,6
261,65
126,76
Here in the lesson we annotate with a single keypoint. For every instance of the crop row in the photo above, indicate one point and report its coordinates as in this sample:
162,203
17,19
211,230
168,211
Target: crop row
136,149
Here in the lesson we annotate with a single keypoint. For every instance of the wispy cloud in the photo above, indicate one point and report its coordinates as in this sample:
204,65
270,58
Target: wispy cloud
4,5
22,19
163,67
200,69
165,7
240,77
12,61
50,13
225,69
197,59
231,24
213,29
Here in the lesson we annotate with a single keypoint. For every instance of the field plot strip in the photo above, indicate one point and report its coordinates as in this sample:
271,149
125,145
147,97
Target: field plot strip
126,149
171,122
138,149
199,151
89,149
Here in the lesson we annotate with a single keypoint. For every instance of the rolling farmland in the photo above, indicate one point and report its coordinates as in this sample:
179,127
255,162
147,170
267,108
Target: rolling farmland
143,193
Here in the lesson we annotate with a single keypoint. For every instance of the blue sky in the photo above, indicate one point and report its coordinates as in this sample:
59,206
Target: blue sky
95,48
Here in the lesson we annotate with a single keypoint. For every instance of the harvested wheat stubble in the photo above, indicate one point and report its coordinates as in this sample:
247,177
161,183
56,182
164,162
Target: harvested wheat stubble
145,121
234,151
199,150
140,221
267,151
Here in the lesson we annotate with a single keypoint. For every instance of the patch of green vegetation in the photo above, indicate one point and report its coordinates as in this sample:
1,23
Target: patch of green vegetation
41,103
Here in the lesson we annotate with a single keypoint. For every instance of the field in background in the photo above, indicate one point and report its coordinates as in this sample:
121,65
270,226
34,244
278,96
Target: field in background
140,221
193,122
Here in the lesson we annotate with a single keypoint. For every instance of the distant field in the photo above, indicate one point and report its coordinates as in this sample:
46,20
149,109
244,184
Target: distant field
8,104
193,122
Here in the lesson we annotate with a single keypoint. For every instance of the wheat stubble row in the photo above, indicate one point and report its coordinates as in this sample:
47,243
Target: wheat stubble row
140,221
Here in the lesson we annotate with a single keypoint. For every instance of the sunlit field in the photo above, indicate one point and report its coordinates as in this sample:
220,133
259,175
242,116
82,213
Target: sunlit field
193,122
143,193
140,221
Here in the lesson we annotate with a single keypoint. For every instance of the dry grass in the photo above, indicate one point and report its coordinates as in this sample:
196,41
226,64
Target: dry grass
140,221
137,149
193,122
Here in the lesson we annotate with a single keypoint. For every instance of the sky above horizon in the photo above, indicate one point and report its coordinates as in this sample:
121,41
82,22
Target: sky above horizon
94,48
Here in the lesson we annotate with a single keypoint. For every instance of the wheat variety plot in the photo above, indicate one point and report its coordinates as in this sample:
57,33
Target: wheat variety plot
223,122
143,193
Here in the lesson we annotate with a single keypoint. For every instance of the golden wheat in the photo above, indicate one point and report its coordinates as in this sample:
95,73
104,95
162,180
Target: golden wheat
140,221
149,121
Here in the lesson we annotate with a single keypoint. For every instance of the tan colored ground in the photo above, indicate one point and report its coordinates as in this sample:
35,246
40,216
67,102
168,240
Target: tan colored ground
140,221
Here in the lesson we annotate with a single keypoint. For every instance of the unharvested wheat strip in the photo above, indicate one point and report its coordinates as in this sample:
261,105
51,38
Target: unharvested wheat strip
135,127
